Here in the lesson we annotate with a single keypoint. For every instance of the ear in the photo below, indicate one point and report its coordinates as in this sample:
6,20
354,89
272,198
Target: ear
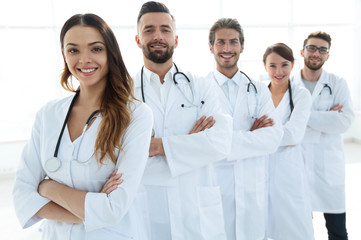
242,48
176,41
137,40
301,52
211,48
327,57
62,53
293,64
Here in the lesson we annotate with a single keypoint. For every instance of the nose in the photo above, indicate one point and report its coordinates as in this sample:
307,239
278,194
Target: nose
226,47
316,53
158,35
278,71
85,57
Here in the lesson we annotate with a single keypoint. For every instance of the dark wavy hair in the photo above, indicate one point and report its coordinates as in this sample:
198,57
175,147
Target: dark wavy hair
118,92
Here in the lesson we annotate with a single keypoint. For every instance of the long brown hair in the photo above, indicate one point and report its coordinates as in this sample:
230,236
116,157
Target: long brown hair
118,93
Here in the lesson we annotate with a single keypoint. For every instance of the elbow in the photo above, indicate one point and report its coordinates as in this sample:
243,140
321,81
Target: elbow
109,210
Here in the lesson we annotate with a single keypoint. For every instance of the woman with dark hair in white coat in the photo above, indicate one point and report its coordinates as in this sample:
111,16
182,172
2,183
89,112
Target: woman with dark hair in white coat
68,171
289,207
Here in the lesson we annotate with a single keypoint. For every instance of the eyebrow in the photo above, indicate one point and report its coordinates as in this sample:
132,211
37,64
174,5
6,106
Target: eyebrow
152,26
281,62
223,39
90,44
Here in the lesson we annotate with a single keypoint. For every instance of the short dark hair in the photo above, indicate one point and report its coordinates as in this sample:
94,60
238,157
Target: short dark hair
281,49
151,7
318,34
231,23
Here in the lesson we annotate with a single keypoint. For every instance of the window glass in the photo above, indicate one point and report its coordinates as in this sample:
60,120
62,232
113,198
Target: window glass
30,71
257,12
29,77
323,12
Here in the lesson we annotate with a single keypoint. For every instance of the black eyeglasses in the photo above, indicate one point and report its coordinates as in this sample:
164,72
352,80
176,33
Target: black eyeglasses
312,49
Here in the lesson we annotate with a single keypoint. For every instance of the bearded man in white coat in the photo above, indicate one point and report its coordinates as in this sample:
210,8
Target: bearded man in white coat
190,133
331,115
243,174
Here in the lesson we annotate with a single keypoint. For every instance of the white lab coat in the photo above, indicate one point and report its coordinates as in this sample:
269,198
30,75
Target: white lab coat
115,216
184,197
242,174
323,143
290,215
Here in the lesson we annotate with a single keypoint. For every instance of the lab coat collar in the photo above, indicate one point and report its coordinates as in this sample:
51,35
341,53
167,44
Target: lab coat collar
151,76
222,79
323,79
320,83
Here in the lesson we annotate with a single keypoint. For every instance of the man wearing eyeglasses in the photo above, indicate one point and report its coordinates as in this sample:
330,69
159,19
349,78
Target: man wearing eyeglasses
331,115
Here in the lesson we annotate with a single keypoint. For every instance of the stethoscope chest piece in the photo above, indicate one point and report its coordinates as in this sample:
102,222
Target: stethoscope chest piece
52,164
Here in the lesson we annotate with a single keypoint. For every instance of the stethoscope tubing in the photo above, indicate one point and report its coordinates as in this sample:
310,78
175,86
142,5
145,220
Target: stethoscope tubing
53,164
64,124
175,82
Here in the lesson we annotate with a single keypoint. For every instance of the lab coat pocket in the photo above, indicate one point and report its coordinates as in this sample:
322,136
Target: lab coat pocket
334,166
183,121
211,213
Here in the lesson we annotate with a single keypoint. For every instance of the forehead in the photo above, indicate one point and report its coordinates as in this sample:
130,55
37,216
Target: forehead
156,19
82,34
226,33
318,42
275,58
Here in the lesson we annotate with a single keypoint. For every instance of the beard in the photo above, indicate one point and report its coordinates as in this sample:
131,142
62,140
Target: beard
157,56
312,66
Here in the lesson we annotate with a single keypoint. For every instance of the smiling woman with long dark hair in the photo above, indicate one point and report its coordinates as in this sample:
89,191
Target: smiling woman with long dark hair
82,167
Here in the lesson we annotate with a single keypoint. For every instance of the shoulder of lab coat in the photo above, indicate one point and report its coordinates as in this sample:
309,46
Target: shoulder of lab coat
334,121
102,210
294,129
30,173
260,142
191,151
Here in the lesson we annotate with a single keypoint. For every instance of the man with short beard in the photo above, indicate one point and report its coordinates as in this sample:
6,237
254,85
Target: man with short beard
331,115
184,200
256,134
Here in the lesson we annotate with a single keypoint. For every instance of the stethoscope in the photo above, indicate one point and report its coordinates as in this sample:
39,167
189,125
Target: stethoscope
191,102
53,164
251,97
290,95
322,99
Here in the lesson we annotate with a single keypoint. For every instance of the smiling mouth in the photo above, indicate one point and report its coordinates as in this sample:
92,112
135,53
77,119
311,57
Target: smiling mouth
87,70
315,59
279,78
226,55
157,45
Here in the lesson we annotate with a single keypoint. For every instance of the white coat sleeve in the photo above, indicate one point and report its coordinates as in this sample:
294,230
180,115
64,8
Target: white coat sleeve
260,142
334,121
102,210
30,173
294,129
188,152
